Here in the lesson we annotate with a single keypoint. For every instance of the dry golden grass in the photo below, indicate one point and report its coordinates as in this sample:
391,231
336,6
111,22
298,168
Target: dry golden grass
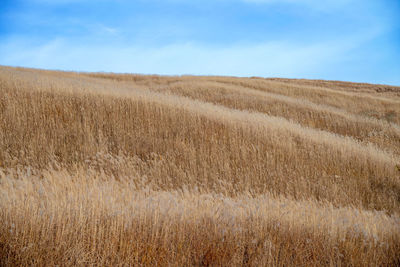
118,169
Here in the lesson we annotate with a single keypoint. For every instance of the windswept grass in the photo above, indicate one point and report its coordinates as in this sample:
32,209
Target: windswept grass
108,169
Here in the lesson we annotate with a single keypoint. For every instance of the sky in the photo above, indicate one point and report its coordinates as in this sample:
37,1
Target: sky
349,40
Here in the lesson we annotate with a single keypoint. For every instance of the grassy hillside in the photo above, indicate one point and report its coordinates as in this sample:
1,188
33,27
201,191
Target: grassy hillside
120,169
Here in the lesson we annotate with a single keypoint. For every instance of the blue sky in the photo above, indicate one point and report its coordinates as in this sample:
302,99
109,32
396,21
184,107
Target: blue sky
351,40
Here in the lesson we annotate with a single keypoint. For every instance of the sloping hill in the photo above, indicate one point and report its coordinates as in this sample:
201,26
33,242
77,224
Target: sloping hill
121,169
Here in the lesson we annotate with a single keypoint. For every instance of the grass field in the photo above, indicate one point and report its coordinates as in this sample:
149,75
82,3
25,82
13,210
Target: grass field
121,169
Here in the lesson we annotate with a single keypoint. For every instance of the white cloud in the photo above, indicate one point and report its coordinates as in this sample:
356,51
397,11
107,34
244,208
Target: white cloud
329,5
264,59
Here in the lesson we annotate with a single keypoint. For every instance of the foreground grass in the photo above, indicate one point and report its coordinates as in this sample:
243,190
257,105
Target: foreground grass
144,170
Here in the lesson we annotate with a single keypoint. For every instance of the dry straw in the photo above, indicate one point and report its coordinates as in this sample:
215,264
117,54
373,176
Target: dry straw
108,169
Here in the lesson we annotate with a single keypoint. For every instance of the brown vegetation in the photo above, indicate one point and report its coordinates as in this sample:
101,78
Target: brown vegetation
119,169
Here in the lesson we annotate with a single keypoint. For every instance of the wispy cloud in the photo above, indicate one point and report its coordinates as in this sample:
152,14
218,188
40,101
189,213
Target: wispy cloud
302,2
276,58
